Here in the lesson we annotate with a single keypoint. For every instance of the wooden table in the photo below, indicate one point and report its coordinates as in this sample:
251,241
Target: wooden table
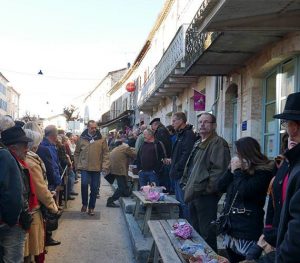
166,244
135,180
169,202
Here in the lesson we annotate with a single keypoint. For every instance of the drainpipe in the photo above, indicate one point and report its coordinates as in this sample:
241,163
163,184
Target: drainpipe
174,106
214,107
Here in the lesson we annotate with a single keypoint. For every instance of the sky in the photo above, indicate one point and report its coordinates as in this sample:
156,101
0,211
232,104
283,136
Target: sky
75,44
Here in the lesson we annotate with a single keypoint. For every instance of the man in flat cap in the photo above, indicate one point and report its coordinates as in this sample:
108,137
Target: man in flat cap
15,217
288,241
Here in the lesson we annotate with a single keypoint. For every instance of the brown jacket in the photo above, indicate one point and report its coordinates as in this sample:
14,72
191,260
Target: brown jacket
207,162
38,174
91,155
119,159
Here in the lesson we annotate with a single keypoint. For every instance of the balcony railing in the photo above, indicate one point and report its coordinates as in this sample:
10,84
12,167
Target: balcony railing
196,44
147,89
170,59
173,55
197,41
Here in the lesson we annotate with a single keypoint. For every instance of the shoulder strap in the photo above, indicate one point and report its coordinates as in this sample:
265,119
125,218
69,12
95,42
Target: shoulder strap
164,149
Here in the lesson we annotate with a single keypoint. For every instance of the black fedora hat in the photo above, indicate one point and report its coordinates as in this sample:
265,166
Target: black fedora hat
292,108
154,120
14,135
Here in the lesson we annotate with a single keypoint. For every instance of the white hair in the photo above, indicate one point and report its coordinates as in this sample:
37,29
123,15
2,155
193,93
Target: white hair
6,122
35,136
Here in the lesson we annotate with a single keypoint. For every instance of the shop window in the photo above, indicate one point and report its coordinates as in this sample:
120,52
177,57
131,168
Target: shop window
278,85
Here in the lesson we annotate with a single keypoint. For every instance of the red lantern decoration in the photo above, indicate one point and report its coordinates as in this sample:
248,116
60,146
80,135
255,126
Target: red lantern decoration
130,87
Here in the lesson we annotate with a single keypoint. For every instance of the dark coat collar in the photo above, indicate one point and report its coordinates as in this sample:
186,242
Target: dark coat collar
293,155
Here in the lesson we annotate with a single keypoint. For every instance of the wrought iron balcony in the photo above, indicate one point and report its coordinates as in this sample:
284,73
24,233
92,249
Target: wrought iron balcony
196,44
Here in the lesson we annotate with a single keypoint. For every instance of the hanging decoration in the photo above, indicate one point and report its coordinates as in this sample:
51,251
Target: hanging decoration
130,86
199,101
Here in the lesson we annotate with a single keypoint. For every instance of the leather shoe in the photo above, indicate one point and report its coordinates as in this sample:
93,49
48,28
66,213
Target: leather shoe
71,198
73,193
83,209
112,204
52,242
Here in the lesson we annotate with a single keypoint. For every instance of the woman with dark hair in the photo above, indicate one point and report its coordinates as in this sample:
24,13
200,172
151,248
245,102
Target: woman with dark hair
246,184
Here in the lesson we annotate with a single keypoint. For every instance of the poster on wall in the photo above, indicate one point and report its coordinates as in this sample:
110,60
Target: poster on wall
199,101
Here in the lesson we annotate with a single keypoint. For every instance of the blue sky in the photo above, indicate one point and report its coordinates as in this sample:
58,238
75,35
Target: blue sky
70,40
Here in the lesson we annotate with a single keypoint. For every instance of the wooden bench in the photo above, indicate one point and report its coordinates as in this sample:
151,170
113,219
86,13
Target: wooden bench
134,178
166,245
169,202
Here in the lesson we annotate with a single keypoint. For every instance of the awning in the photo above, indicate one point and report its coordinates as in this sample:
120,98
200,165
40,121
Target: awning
123,115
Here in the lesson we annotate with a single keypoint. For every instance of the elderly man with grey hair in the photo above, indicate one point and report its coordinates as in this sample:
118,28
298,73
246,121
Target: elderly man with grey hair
149,159
49,141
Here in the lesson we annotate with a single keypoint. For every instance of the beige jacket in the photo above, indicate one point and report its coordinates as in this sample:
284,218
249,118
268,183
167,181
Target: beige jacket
38,174
119,159
92,156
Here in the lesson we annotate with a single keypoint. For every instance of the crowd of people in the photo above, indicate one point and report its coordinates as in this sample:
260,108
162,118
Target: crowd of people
196,166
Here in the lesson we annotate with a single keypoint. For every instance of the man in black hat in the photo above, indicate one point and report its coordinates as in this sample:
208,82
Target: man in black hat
288,241
15,218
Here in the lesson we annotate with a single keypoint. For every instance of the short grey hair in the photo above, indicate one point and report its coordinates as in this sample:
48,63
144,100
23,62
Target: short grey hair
149,131
36,138
6,122
51,130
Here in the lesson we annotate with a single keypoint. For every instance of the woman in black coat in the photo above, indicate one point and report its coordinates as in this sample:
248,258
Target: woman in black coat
245,184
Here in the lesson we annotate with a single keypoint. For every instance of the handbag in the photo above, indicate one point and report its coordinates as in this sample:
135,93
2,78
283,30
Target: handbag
51,219
223,223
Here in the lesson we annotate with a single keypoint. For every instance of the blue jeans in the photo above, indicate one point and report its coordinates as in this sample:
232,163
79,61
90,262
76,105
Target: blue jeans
183,208
146,177
92,178
12,241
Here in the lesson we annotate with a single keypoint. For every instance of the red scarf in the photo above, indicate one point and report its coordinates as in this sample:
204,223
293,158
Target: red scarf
33,201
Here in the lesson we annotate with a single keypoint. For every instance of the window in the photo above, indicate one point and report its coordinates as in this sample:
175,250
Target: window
277,86
2,89
3,105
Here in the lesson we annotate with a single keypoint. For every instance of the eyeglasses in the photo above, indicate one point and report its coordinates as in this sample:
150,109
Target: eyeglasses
205,122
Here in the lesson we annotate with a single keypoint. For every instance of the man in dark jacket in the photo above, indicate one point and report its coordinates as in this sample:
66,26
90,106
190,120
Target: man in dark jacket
181,150
150,159
162,134
48,146
288,242
207,162
15,191
49,141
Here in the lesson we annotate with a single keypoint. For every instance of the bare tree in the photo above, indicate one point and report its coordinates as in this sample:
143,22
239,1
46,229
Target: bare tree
70,113
28,117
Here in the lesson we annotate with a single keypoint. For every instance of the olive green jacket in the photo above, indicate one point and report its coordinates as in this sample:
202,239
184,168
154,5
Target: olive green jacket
206,164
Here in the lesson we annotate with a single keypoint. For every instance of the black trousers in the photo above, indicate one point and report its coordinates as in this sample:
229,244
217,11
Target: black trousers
203,210
122,190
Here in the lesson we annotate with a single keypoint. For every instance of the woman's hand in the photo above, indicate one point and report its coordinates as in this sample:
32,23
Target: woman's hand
235,163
